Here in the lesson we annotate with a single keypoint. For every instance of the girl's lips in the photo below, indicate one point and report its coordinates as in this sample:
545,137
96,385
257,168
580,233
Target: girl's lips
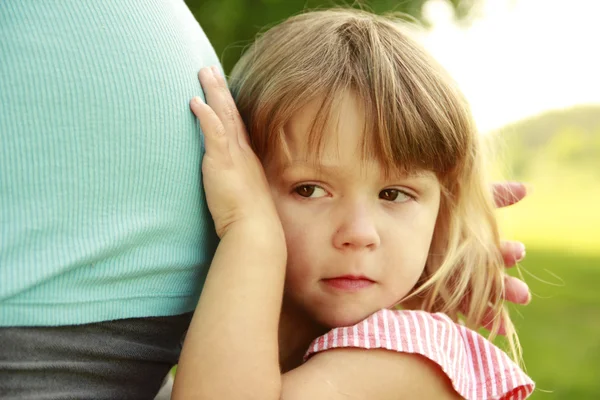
348,283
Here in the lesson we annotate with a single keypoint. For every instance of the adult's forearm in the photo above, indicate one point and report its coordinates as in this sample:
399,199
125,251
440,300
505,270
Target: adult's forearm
231,348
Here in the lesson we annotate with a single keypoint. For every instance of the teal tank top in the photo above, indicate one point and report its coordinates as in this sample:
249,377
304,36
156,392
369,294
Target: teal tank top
102,214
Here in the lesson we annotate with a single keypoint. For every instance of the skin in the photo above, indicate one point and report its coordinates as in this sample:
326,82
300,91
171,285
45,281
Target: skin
340,217
234,341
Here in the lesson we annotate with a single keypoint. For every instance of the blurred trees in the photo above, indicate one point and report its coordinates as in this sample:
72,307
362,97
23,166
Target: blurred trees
554,143
232,24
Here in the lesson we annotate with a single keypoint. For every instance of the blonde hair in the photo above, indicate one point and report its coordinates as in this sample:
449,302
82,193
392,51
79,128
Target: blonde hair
415,118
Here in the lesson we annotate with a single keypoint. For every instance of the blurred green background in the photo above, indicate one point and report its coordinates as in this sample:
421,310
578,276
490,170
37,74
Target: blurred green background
558,154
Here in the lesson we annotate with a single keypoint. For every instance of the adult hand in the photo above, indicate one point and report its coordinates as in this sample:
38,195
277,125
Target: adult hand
505,194
234,181
516,291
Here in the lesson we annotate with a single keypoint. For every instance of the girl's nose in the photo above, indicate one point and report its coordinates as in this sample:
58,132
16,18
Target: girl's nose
357,229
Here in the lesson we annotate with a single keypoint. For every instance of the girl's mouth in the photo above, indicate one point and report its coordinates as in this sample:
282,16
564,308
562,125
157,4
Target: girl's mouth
349,282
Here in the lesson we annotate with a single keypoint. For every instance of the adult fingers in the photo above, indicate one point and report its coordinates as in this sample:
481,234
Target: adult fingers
507,193
512,252
516,291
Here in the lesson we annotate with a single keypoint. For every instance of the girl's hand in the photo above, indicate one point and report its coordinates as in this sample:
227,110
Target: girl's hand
236,189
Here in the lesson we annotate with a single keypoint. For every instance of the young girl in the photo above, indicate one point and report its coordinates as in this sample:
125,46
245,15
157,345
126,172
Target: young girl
372,196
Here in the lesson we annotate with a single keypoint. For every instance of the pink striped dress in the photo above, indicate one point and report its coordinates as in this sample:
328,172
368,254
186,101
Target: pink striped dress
478,369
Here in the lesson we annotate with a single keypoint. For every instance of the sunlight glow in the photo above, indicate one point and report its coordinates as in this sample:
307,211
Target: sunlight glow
518,58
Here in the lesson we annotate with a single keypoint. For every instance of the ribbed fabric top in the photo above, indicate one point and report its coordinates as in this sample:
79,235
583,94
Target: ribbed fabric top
102,215
477,369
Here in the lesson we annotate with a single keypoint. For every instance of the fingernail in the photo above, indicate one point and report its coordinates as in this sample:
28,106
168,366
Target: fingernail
522,252
204,74
215,70
528,188
198,100
525,292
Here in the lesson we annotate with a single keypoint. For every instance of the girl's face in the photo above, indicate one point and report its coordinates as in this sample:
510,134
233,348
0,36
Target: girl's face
357,241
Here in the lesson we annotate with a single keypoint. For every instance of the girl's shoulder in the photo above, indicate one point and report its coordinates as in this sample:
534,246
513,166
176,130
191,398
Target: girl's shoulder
476,367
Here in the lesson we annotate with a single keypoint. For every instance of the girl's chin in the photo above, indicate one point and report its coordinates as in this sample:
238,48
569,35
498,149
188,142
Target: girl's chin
340,319
323,316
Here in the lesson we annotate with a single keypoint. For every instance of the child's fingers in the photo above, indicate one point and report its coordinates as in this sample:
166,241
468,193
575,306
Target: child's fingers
243,137
508,193
220,100
215,140
516,291
512,252
216,98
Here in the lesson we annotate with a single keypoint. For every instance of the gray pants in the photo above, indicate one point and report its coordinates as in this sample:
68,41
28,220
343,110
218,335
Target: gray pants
122,359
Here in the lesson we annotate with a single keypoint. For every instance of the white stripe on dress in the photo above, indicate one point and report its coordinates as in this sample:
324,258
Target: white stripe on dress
335,338
437,344
472,381
405,323
490,366
376,330
479,359
397,332
500,367
418,337
386,329
427,333
345,336
367,342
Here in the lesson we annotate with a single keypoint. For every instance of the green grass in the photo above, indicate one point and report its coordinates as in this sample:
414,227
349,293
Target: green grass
561,213
560,329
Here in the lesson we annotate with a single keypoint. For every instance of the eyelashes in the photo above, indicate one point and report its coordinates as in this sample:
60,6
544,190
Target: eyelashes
394,195
310,191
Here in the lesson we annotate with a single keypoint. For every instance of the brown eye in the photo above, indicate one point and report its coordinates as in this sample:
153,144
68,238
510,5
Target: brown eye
305,190
388,194
310,191
394,195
